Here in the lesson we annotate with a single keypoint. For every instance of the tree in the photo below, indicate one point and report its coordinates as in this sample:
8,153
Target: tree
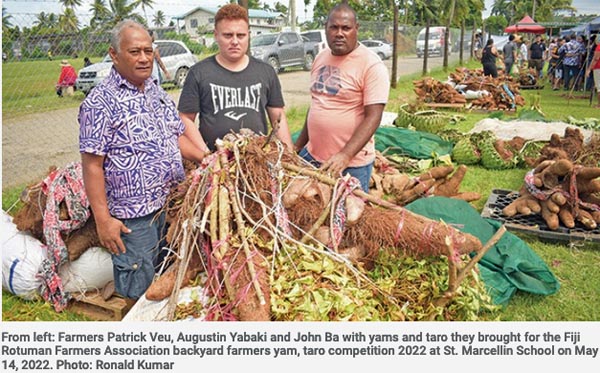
496,24
99,13
159,19
6,24
68,21
279,7
121,10
146,4
70,4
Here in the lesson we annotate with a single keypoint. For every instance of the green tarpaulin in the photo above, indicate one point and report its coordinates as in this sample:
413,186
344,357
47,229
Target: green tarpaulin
413,144
510,265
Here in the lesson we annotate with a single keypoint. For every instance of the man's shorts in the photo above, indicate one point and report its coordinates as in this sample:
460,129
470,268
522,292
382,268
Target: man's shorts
596,74
536,64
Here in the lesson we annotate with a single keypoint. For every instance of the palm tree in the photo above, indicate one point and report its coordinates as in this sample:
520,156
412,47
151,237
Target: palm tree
46,20
6,24
70,4
99,13
144,4
159,19
121,10
68,21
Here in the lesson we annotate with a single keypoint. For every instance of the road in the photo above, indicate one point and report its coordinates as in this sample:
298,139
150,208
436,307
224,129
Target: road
32,143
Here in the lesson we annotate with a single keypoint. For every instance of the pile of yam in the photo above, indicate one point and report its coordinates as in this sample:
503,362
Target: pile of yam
564,185
402,189
251,206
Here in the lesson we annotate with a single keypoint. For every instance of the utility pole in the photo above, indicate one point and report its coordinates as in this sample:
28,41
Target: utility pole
292,11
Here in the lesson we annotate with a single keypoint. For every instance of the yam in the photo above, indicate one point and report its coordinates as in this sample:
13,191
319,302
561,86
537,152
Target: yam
558,198
551,206
551,218
451,186
438,172
561,167
596,216
585,218
589,173
294,190
520,205
354,209
467,196
566,217
164,285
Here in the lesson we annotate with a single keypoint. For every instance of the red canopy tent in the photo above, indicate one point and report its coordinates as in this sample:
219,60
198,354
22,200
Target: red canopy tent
527,26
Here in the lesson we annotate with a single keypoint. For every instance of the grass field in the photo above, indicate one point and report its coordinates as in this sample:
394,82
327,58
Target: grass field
575,265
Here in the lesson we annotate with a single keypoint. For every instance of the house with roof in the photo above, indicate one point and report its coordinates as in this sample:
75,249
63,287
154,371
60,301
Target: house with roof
200,21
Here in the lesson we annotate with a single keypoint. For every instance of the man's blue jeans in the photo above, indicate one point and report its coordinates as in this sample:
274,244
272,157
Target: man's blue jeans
362,173
134,270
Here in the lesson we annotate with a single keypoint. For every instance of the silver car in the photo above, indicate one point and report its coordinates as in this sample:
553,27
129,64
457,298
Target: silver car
383,50
175,55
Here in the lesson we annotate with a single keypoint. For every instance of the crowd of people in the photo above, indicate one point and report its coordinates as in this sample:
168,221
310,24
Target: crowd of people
564,61
133,137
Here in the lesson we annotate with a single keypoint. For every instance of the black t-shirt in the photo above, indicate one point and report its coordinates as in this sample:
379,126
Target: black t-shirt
227,101
536,51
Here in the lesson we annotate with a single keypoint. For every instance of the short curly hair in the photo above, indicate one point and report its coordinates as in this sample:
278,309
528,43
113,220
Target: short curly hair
232,12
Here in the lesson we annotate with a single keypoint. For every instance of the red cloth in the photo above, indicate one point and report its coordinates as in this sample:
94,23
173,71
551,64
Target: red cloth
597,65
67,77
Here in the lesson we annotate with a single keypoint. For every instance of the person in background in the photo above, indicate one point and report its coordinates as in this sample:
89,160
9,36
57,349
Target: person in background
67,78
158,63
349,89
232,90
488,59
548,57
572,61
131,142
559,70
509,52
589,82
594,70
86,62
523,54
536,56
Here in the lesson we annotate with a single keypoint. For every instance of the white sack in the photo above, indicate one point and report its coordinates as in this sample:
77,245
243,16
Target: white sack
91,271
22,256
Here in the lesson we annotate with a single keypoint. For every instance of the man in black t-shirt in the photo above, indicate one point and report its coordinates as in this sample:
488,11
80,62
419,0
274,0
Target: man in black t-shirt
231,90
536,55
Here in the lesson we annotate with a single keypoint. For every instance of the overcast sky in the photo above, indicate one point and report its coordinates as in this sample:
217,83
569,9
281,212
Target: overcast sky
25,10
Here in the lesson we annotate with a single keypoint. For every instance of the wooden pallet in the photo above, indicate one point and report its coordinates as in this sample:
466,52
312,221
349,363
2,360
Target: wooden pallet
531,87
93,306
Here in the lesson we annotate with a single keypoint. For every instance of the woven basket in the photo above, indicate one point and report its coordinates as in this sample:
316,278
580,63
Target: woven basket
425,121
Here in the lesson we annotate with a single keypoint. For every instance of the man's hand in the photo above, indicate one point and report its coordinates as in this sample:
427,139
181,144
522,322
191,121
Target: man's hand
109,233
336,164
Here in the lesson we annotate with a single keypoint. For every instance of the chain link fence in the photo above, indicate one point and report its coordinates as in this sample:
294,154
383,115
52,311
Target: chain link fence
40,129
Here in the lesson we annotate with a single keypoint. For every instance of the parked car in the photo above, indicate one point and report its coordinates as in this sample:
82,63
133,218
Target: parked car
383,50
436,41
283,49
175,55
317,38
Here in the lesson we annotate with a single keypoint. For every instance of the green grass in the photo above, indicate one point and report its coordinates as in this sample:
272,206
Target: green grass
575,265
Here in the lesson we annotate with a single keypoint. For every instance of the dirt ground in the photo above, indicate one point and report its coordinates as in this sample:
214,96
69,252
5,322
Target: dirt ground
33,143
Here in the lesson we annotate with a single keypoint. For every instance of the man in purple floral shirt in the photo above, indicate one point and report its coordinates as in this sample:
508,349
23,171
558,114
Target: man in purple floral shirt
132,142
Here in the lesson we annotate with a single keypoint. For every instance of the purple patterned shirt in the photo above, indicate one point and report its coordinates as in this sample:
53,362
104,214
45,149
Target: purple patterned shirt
138,133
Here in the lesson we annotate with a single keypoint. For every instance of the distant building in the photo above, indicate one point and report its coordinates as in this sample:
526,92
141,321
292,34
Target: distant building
200,21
